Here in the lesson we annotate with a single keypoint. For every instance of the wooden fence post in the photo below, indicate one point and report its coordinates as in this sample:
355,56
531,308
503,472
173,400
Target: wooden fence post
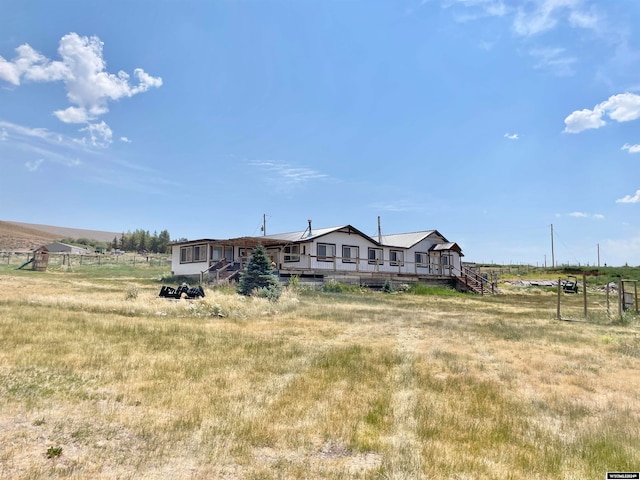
559,288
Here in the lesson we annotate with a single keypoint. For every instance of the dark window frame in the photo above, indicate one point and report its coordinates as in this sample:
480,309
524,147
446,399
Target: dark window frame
325,257
375,260
350,258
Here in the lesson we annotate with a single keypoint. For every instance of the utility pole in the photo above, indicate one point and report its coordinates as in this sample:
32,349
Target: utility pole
553,258
598,255
264,224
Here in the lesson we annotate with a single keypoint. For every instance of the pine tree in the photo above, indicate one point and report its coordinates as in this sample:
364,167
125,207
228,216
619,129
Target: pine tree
163,241
259,278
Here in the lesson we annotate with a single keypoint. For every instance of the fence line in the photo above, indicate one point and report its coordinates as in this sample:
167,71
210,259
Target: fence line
70,260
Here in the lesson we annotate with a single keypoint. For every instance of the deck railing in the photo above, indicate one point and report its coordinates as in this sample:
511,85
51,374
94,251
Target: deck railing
358,265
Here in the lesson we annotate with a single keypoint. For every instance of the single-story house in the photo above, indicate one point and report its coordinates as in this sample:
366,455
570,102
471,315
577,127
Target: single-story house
343,253
59,247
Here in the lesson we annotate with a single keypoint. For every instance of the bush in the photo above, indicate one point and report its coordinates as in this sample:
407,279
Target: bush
333,286
258,277
388,286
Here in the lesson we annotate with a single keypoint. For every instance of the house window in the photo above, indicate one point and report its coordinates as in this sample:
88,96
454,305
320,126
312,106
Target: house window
216,253
326,252
199,253
186,254
292,253
396,257
350,254
375,256
422,259
194,253
245,252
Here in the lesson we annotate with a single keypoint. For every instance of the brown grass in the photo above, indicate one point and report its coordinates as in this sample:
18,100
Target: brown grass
316,386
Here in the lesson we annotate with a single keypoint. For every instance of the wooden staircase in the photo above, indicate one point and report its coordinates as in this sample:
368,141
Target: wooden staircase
469,281
224,272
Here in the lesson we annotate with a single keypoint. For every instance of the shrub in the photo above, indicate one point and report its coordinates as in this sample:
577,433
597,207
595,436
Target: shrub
388,286
258,276
332,286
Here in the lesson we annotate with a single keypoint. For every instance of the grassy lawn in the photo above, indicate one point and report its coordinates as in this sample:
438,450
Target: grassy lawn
100,379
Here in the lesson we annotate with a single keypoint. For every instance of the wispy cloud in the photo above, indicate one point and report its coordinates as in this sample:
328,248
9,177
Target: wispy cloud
98,134
623,107
529,18
33,166
125,140
597,216
512,136
475,9
285,173
3,135
397,206
631,148
554,61
539,16
630,198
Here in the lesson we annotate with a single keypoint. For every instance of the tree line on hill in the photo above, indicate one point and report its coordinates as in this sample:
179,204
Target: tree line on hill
137,241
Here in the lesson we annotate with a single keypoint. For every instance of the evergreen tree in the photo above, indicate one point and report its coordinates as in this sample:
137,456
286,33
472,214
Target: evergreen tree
163,241
153,242
142,240
258,277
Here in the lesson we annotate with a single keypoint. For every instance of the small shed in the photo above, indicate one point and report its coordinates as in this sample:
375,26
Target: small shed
59,247
40,259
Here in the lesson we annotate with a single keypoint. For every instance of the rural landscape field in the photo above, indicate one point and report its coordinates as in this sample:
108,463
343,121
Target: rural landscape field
101,379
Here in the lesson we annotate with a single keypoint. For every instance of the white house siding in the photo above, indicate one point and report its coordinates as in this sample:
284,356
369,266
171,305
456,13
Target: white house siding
308,255
310,260
189,268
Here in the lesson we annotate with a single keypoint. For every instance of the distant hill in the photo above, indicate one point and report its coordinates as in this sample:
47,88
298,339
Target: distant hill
18,236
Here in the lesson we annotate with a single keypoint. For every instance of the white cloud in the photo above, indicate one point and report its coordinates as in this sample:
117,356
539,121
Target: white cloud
83,70
599,216
3,135
511,136
33,166
623,107
578,214
72,115
125,140
630,198
583,120
32,66
631,148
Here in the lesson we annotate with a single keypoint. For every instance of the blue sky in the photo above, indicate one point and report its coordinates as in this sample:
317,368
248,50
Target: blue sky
488,120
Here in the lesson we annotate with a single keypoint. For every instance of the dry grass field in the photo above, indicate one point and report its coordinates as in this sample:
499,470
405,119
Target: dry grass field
100,379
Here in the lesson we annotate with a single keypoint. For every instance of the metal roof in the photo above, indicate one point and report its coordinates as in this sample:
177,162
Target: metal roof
407,240
303,235
446,246
400,240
